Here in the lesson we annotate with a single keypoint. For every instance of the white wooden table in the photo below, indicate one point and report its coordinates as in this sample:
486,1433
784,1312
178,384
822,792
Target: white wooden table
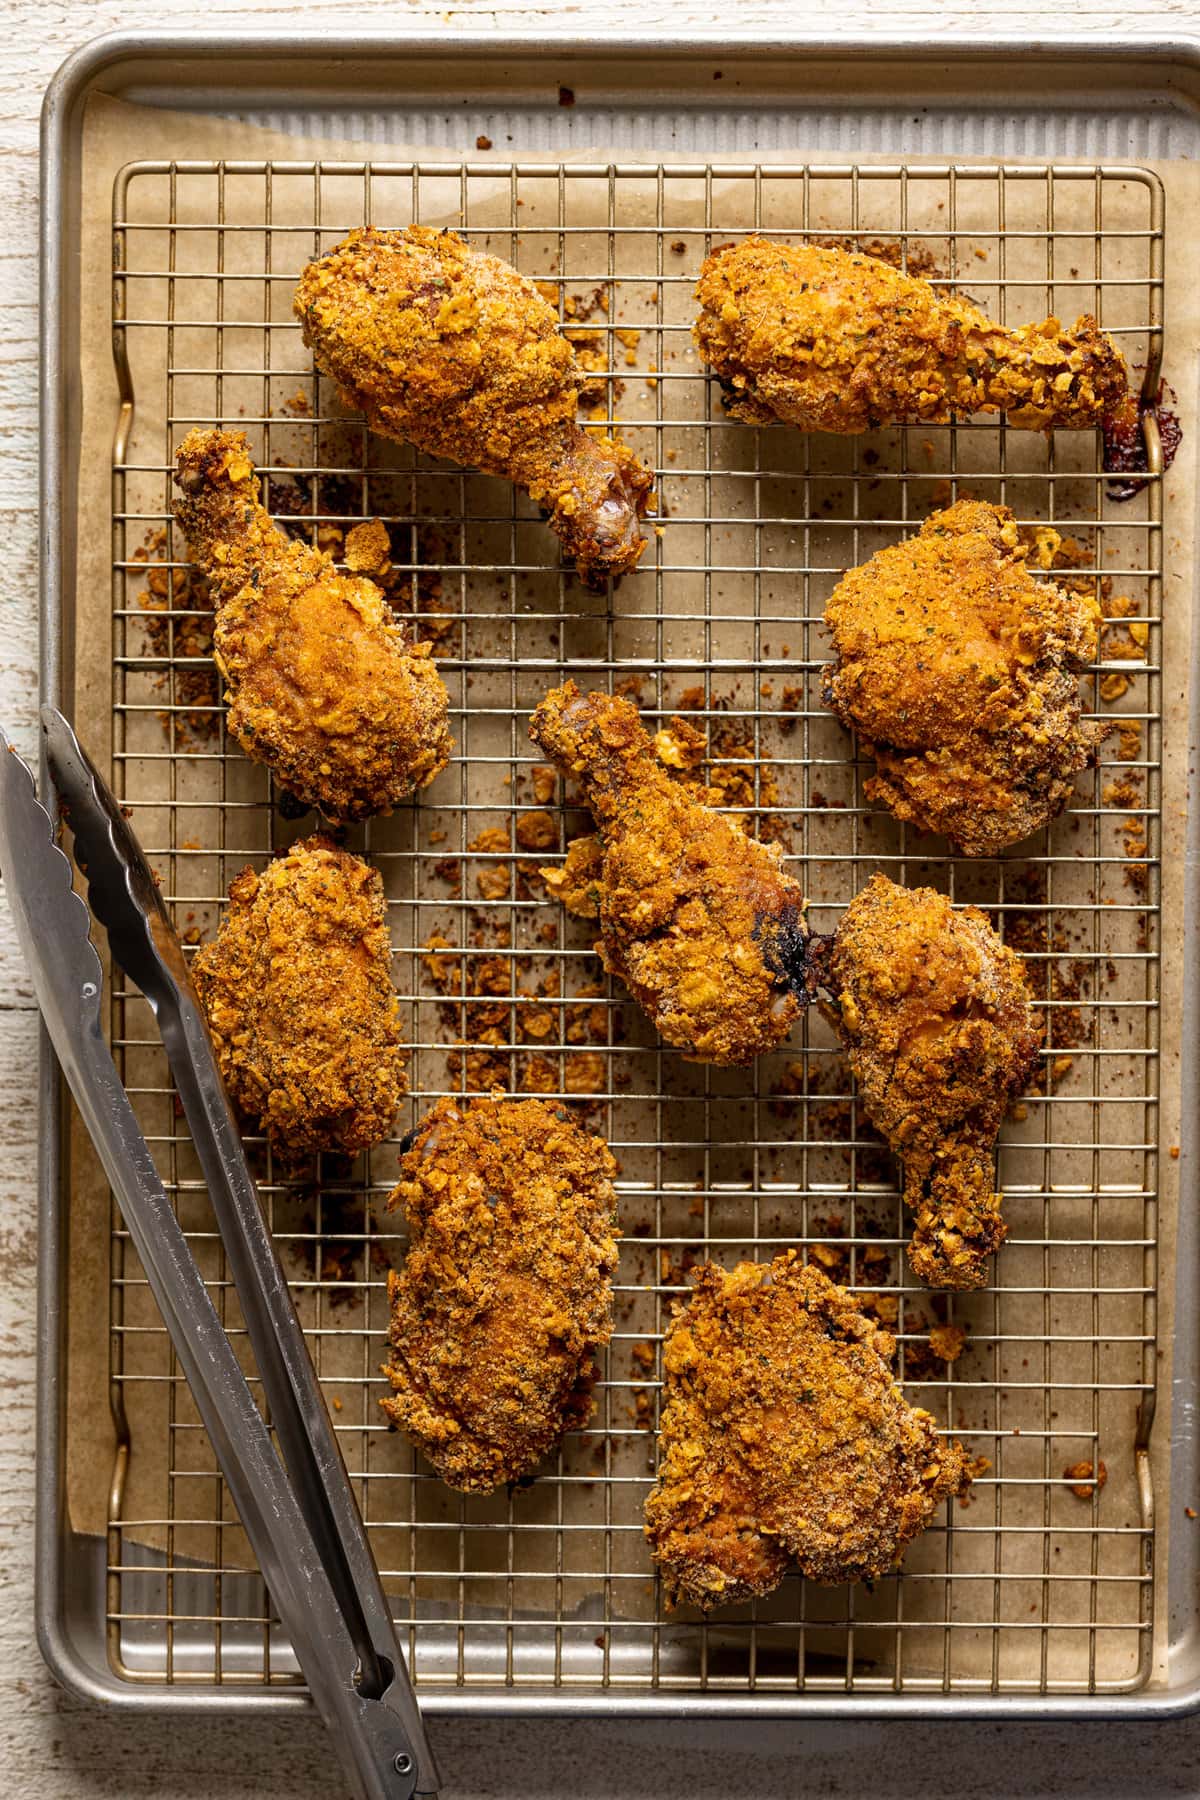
54,1749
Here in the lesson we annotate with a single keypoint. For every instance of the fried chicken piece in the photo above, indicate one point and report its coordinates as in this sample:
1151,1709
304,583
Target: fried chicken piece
449,349
322,684
298,995
830,341
505,1298
938,1020
698,920
958,670
784,1438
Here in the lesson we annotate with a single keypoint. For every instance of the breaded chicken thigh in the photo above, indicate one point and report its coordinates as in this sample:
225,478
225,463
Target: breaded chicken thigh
505,1298
938,1020
959,672
447,348
298,995
785,1439
832,341
322,683
697,919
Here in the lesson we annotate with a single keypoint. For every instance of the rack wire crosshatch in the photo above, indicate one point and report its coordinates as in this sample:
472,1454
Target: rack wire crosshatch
1042,1583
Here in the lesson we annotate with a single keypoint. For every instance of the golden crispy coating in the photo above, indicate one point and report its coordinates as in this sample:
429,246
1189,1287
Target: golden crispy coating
784,1438
322,684
959,670
698,920
831,341
505,1297
938,1020
298,994
451,350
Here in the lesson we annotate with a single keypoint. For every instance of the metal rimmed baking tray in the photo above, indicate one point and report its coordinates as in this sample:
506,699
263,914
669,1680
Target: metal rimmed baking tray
544,1599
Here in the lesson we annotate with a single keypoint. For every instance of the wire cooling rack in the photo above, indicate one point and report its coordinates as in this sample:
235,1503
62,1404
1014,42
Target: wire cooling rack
1042,1582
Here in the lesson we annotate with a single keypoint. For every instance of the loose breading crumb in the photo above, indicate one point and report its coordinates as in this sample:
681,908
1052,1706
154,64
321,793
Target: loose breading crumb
948,1342
1086,1478
545,783
537,831
368,548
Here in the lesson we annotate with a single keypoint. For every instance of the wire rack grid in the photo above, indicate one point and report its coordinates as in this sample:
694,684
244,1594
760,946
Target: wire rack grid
1042,1582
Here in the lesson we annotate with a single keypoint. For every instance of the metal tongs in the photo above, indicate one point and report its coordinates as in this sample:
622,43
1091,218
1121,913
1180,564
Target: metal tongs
298,1510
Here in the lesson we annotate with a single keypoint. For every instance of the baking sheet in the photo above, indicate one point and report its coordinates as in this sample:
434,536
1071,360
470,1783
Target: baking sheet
737,608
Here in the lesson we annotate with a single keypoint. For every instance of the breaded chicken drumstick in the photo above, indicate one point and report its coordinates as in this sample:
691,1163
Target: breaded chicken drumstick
322,683
447,348
828,340
505,1298
785,1439
938,1019
698,920
298,995
959,671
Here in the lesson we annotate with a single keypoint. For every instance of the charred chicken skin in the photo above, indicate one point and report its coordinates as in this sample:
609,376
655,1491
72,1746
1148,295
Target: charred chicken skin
785,1439
452,350
959,672
827,340
938,1021
697,919
322,684
298,995
505,1297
